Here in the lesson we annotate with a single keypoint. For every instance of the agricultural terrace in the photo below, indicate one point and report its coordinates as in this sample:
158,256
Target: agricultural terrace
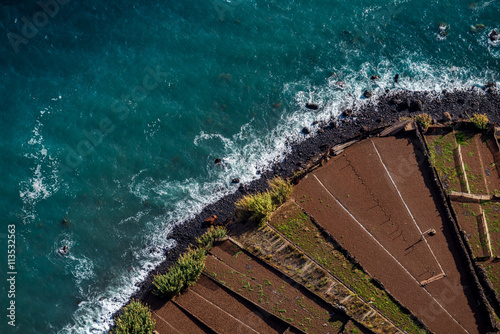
374,199
467,162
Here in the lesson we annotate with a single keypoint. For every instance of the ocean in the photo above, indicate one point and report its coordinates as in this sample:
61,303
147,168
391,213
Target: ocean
112,114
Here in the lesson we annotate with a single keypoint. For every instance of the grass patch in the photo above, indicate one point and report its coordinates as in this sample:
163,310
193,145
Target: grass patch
480,121
424,120
442,157
135,319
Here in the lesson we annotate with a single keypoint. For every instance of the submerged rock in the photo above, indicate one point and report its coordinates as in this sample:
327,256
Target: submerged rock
277,105
339,84
443,29
312,106
64,250
375,77
494,35
225,77
477,28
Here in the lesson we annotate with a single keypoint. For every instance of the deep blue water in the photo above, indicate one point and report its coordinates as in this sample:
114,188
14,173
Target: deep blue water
111,115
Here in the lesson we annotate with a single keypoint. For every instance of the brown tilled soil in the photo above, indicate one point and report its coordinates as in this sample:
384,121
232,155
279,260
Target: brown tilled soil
442,144
481,158
474,164
490,158
360,183
493,270
238,308
275,294
467,215
492,212
209,308
369,195
172,319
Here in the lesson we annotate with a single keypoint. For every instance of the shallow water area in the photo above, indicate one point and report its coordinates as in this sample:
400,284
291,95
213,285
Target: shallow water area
112,116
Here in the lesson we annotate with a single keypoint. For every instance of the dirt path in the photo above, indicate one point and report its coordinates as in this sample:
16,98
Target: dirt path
381,205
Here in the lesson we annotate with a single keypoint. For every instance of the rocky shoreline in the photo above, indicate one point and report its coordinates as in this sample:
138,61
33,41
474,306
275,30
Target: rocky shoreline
460,104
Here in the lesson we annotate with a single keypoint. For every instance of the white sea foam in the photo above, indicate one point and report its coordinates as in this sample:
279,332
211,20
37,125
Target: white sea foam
44,182
246,153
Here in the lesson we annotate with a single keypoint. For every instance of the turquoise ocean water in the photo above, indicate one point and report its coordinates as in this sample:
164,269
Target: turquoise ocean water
111,114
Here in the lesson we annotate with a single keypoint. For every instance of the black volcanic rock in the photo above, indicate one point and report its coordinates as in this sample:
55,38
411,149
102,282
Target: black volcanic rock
312,106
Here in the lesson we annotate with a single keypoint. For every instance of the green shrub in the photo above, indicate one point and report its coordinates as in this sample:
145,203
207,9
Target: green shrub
135,319
480,121
256,207
424,120
184,273
213,234
281,190
259,206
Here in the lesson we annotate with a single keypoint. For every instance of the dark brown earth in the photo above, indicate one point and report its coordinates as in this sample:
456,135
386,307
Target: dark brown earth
208,307
172,319
361,192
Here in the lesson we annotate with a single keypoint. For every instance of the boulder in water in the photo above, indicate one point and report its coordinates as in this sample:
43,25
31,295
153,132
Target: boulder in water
477,28
443,29
64,250
494,35
368,94
312,106
340,84
490,84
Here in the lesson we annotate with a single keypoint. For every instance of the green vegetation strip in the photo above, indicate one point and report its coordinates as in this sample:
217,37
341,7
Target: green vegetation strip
442,157
214,233
299,229
135,319
183,274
